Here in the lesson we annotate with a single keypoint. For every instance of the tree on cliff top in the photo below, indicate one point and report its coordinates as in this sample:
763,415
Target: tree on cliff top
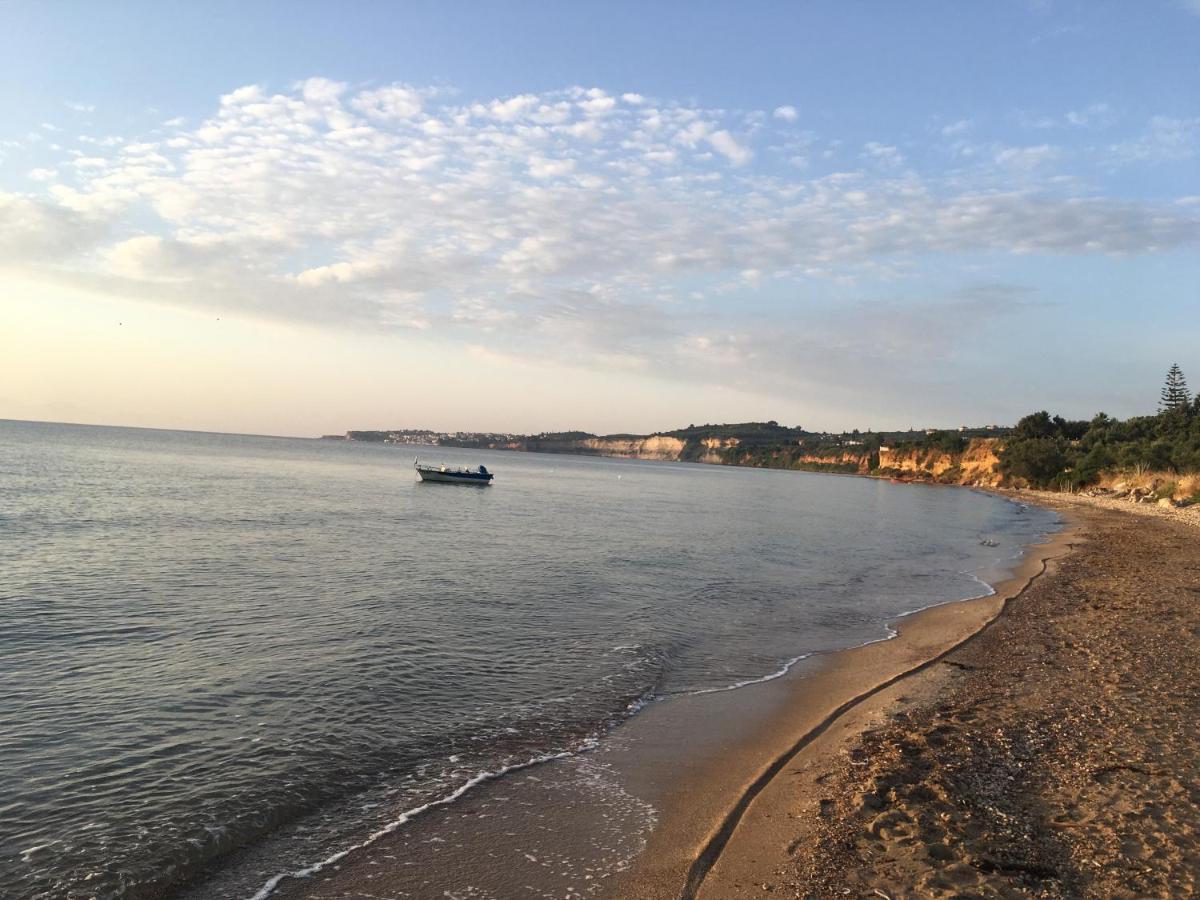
1175,392
1038,460
1042,425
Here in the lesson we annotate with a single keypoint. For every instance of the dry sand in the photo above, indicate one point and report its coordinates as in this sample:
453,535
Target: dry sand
1053,755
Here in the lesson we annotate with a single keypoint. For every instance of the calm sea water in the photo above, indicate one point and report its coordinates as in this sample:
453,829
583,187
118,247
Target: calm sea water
209,643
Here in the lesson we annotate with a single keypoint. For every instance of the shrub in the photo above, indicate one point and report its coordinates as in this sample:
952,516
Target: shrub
1037,460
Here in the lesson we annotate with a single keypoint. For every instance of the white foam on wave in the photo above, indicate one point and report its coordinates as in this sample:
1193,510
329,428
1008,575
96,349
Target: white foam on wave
27,855
408,815
636,705
771,676
989,591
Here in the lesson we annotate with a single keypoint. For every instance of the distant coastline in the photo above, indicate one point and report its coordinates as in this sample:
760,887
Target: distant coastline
1147,459
753,444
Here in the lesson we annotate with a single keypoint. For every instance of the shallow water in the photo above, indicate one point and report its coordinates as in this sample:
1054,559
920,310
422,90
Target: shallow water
230,653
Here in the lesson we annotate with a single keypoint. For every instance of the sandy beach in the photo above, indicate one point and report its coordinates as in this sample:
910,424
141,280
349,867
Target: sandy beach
1051,755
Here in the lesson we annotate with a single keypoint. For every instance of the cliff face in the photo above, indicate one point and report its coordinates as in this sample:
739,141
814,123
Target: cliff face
861,462
656,446
977,464
981,462
713,448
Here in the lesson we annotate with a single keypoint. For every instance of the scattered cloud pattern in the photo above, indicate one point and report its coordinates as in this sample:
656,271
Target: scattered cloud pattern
609,229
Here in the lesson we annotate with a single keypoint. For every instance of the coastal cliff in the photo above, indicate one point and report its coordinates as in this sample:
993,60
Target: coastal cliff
1147,459
661,447
656,446
685,445
978,463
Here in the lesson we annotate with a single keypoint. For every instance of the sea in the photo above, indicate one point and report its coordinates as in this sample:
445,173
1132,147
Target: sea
226,658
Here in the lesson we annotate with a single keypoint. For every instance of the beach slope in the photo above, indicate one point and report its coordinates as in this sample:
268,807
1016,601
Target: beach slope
1054,755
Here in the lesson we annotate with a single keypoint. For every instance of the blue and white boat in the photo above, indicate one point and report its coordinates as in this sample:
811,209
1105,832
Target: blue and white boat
452,474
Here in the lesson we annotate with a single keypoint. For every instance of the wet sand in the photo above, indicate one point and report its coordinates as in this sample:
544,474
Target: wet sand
1053,755
698,848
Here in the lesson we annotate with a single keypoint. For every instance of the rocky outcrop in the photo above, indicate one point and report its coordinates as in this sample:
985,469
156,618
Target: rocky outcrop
1163,488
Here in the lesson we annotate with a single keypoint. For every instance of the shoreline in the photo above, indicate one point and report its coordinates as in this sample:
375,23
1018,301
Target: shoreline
898,795
653,769
715,799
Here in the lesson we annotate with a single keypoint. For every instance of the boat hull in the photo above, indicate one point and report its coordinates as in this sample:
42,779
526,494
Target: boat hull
455,477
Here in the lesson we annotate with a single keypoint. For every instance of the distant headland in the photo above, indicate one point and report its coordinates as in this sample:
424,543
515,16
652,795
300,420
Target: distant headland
1147,458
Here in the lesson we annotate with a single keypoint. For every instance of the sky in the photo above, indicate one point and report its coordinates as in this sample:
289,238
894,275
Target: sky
301,218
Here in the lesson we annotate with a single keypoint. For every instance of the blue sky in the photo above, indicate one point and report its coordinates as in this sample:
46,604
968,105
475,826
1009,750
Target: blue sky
616,217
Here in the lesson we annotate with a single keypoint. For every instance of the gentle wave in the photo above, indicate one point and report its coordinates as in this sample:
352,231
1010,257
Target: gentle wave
771,676
218,645
407,816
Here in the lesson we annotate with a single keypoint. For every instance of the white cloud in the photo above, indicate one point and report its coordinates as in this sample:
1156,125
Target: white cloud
393,103
250,93
727,145
539,167
598,104
883,153
786,113
560,222
326,91
956,128
509,110
1026,157
693,133
1165,139
1094,115
33,231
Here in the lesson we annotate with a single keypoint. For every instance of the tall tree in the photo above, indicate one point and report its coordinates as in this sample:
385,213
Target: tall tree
1175,392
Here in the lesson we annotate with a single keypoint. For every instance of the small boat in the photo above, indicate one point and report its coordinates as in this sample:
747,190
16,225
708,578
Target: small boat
452,474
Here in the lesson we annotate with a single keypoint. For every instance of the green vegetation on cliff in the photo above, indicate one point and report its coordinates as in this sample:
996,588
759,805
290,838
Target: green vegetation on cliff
1053,452
1050,451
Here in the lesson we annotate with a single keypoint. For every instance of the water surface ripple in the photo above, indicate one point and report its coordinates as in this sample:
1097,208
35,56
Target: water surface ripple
215,643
